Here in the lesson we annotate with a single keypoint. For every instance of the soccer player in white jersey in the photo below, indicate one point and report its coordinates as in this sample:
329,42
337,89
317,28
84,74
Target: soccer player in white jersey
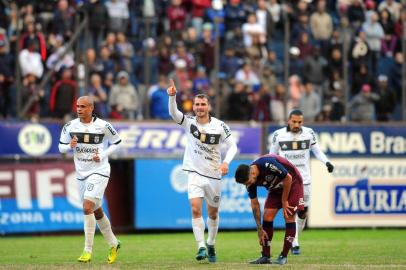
294,143
202,160
88,137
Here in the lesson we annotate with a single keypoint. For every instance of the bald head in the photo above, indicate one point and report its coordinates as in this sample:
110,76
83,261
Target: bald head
84,107
87,100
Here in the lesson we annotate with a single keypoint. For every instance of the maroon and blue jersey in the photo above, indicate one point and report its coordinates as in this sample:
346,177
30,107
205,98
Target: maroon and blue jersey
272,170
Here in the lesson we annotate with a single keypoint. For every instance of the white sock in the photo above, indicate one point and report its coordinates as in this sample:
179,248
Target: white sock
198,230
105,229
90,228
300,223
212,228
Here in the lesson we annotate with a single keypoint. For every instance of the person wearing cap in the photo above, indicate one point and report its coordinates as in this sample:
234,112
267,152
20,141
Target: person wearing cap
124,97
362,105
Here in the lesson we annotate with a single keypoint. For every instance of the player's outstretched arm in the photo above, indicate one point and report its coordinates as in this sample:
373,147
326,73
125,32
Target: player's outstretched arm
176,115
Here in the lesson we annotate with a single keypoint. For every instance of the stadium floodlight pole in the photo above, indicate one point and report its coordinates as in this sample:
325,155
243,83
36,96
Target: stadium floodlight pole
345,48
286,60
216,83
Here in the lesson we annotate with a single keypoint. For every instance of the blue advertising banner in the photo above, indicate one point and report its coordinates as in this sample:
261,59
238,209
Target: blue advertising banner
161,200
170,138
138,139
28,139
39,198
344,141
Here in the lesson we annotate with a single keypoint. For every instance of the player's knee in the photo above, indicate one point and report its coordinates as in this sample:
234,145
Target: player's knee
196,211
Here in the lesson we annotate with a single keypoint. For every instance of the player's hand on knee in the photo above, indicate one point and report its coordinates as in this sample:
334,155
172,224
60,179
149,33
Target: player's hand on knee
288,210
172,88
73,142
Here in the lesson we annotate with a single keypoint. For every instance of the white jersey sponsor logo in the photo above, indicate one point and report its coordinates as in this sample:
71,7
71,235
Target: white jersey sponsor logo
92,138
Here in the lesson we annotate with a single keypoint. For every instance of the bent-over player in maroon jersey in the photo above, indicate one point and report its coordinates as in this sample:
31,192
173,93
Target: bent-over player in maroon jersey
285,190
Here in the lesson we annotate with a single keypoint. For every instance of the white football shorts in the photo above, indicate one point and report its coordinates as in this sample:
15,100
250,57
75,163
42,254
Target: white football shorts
203,187
93,187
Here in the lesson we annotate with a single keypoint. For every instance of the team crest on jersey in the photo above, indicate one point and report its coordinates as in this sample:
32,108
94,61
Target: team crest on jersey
269,178
96,139
303,145
212,139
90,187
216,199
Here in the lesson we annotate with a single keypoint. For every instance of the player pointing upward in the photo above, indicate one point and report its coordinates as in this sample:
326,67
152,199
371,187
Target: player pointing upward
202,161
87,137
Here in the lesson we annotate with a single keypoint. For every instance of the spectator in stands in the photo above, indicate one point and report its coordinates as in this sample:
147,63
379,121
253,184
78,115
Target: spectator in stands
261,104
359,52
180,75
337,106
6,79
240,106
31,36
30,61
321,24
281,104
99,95
106,61
165,65
356,14
275,65
304,45
118,15
392,6
158,99
362,107
62,101
310,103
268,78
32,96
94,63
182,53
394,74
63,20
125,50
208,48
361,77
373,35
264,18
235,15
176,15
302,26
296,90
198,10
215,16
247,76
124,97
98,16
386,104
229,63
314,70
387,22
201,83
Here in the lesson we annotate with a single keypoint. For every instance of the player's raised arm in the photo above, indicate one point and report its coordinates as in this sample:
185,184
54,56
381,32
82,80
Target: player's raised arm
176,115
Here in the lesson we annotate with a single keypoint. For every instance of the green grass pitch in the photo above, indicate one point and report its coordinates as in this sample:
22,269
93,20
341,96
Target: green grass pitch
321,249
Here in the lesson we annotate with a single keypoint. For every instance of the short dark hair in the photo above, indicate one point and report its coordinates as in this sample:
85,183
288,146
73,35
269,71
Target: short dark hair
202,96
295,112
242,173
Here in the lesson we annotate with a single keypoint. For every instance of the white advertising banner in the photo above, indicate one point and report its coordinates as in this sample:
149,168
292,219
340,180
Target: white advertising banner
362,192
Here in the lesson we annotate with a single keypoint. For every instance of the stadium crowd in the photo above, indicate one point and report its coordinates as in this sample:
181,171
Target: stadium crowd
134,46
